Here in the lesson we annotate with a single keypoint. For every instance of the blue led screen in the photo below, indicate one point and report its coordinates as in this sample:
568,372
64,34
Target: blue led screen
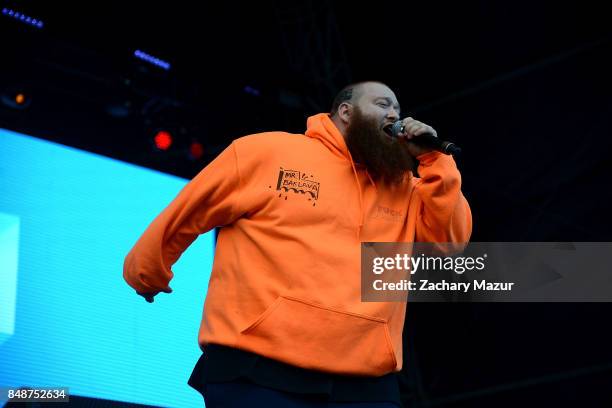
67,317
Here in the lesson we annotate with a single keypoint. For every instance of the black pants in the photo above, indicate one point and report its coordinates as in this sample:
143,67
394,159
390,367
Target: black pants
241,393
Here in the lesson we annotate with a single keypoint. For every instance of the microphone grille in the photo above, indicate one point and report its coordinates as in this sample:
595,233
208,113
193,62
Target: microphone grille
397,128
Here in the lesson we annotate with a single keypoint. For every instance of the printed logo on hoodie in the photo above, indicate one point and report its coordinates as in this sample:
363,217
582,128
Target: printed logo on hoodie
297,182
388,214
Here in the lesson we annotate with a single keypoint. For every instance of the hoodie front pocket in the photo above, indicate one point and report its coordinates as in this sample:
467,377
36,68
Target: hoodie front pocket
317,337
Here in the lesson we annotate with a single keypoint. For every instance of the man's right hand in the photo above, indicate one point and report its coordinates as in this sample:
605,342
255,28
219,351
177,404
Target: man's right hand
150,296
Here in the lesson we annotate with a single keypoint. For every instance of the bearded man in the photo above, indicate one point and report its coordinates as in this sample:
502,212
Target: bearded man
283,321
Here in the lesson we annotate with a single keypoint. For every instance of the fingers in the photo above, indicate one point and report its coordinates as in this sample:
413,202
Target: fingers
412,127
150,296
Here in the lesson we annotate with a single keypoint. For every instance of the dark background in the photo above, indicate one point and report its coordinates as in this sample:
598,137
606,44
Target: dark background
523,87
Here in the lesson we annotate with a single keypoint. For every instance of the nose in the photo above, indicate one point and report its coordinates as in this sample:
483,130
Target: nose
393,115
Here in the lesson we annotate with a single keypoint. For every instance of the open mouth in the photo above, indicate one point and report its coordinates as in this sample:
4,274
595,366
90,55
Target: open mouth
387,130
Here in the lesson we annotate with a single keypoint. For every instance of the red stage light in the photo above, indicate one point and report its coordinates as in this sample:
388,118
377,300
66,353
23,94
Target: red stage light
196,150
163,140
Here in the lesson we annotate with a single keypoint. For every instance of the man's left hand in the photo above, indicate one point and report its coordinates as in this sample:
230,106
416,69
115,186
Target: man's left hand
412,130
150,296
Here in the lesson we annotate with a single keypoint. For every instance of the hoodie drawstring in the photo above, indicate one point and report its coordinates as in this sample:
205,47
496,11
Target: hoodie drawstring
372,181
360,195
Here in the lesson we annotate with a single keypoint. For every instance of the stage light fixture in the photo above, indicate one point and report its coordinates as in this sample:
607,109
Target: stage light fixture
152,60
196,150
163,140
19,16
15,98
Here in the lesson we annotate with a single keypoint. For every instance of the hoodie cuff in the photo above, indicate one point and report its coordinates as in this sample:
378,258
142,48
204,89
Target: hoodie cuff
429,157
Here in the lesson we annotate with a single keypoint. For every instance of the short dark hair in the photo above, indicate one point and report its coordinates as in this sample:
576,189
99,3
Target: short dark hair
348,93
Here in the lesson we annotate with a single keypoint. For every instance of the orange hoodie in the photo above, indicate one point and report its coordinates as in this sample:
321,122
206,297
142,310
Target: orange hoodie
286,278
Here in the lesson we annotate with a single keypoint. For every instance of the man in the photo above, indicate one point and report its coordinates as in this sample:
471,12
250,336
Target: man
283,324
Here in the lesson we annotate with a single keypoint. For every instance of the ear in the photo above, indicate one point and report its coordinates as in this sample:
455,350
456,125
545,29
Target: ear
345,110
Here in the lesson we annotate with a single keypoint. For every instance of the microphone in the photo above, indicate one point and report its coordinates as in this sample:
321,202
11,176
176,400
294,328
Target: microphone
427,140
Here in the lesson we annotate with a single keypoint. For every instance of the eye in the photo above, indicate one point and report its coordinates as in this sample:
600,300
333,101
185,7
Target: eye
383,104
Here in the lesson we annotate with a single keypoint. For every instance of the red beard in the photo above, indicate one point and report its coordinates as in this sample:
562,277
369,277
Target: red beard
385,159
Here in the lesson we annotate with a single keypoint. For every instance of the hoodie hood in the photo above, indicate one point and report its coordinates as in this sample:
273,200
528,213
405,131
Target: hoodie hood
321,127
